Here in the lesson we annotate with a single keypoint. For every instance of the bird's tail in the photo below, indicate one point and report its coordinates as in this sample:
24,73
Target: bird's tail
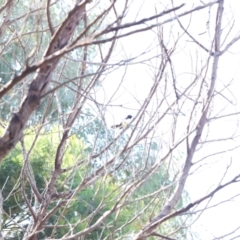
116,126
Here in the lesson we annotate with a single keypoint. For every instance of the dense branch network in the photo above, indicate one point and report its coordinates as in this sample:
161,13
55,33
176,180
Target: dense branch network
77,177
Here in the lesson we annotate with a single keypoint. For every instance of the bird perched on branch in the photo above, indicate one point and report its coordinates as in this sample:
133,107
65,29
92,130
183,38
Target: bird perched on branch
123,124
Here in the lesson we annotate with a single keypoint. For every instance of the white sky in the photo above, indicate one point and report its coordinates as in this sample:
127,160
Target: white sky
137,81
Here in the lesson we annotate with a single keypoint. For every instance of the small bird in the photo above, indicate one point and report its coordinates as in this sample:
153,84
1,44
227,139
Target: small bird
124,123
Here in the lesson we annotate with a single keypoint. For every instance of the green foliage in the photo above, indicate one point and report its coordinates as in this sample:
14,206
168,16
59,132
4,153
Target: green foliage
92,202
89,204
42,161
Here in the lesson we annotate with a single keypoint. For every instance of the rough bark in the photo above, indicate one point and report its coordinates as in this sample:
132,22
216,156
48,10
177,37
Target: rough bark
37,88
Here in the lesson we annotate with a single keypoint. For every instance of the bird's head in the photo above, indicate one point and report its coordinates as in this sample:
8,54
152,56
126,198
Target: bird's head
129,117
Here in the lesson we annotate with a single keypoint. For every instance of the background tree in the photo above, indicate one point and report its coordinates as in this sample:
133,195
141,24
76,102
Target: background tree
66,68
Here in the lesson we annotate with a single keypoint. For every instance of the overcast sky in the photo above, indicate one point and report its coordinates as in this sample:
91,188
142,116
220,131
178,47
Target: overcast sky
136,80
